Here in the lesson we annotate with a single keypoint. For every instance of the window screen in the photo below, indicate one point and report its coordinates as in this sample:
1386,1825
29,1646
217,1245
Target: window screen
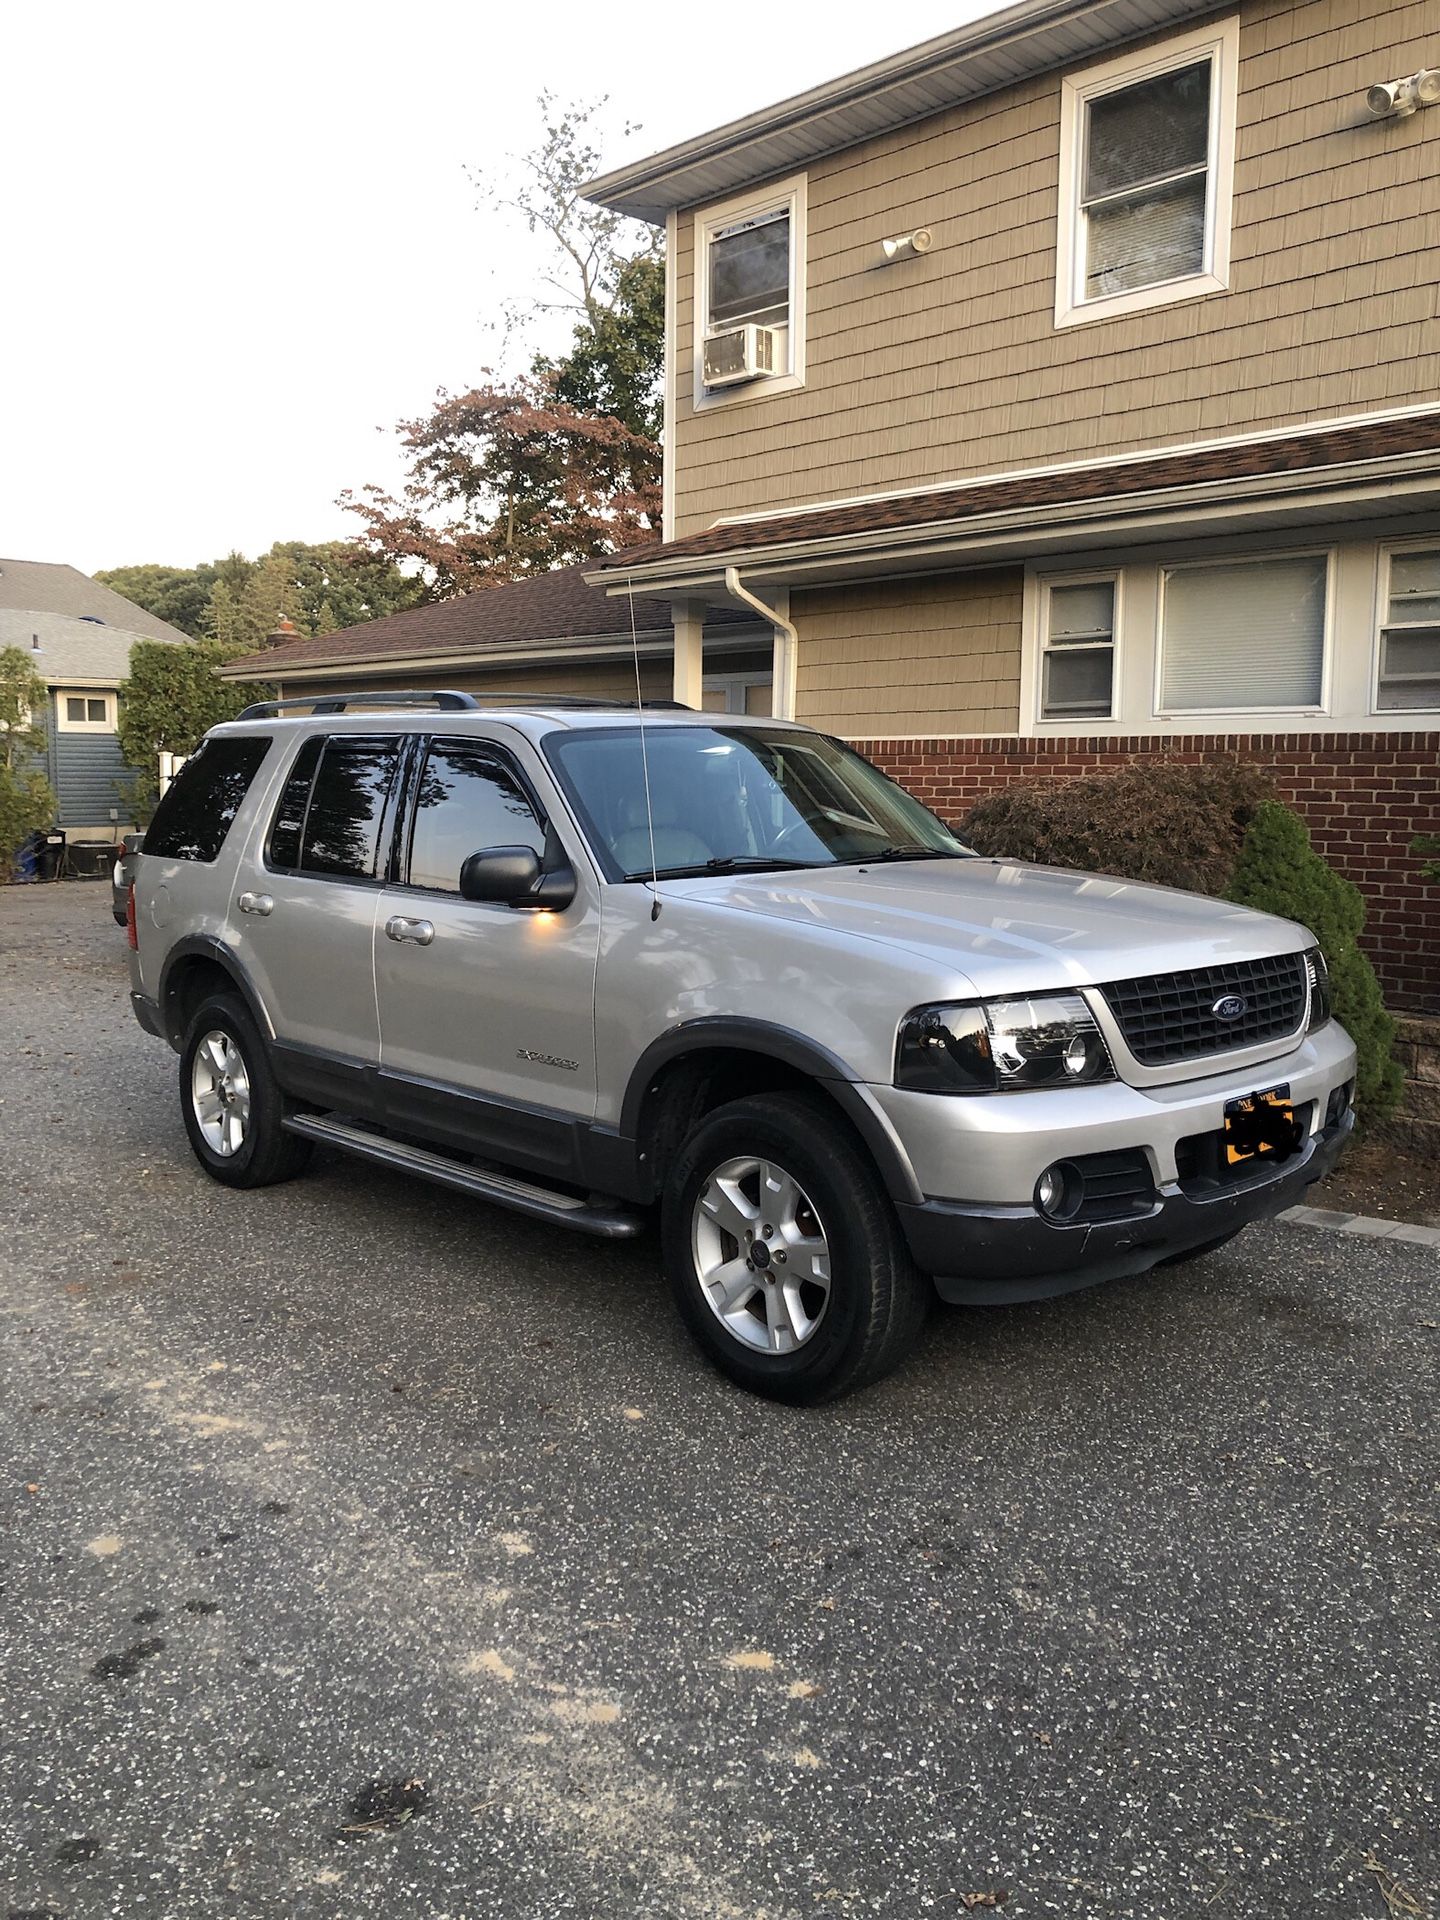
1410,637
1249,636
1144,185
288,822
468,799
347,806
750,272
1079,662
202,801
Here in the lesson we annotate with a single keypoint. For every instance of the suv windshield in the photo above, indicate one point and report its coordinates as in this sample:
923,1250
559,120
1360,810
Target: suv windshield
737,797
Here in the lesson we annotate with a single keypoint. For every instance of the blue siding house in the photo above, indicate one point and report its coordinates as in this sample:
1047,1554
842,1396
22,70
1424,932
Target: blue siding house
78,635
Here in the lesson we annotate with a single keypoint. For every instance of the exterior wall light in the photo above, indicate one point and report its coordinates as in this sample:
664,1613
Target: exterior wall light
903,246
1397,99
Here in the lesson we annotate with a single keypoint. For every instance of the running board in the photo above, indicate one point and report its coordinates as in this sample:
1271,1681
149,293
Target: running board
540,1203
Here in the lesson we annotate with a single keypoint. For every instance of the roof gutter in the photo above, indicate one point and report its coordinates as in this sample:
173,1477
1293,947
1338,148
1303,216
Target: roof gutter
1020,532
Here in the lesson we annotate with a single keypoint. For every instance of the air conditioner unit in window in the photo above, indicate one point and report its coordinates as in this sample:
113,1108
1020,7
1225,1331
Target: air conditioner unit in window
741,353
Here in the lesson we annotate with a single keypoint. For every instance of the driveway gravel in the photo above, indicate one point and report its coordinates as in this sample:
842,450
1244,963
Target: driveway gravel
364,1551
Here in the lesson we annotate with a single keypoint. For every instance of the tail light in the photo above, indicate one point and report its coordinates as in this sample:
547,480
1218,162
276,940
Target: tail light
131,931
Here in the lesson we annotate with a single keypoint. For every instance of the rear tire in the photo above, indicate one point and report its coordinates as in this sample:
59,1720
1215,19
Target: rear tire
231,1101
784,1254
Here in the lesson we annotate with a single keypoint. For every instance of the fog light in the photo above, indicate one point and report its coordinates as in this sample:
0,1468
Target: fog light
1059,1191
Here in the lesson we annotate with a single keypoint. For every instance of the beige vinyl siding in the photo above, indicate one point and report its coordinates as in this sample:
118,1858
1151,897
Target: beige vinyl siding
936,655
951,365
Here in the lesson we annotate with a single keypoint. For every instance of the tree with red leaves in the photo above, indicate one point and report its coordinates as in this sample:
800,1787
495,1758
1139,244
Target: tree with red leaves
561,464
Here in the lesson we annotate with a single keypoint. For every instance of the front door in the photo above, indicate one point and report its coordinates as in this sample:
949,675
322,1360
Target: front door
487,1033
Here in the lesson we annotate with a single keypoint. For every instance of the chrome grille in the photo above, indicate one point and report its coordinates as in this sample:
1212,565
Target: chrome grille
1168,1017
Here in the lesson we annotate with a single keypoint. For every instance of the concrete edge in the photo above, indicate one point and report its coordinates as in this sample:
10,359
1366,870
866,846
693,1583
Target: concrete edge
1363,1226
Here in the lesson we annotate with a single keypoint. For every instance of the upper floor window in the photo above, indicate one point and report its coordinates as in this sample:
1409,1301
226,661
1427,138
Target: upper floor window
750,295
1409,671
85,712
1147,156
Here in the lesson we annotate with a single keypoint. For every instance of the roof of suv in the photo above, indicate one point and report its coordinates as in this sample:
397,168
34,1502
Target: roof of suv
530,720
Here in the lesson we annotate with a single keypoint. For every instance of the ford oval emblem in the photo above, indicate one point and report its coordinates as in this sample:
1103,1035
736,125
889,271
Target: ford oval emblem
1229,1006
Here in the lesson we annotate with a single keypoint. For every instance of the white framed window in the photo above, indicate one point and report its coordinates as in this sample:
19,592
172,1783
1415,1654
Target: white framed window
750,295
1078,625
1245,636
737,693
1407,656
85,710
1147,158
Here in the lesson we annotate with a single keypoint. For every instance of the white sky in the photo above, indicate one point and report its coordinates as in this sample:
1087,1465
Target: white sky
243,243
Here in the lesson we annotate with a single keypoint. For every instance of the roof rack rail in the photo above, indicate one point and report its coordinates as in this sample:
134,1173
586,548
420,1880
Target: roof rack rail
447,701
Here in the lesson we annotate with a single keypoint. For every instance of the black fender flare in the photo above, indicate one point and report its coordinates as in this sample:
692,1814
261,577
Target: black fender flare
208,946
738,1034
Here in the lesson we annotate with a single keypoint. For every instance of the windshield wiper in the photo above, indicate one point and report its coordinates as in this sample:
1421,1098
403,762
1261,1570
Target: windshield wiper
724,863
903,853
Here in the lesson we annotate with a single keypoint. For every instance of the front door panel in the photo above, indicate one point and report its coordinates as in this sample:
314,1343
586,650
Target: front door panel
491,1002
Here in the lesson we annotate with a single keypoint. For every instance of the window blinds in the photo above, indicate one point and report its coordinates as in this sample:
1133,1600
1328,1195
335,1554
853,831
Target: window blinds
1249,636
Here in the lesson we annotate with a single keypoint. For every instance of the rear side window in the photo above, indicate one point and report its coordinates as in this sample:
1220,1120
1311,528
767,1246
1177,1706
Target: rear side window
348,799
289,821
202,801
468,798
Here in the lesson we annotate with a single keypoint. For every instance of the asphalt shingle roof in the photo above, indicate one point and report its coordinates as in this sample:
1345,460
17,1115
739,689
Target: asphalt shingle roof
44,586
1240,460
548,608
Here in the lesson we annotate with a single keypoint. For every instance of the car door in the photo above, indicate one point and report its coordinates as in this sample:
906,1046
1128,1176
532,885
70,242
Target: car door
306,911
487,1034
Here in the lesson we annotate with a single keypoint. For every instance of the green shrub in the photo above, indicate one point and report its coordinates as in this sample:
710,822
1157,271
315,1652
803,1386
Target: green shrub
1161,820
27,801
1280,872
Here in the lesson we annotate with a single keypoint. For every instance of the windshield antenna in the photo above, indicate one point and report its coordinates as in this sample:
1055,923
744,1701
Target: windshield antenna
644,755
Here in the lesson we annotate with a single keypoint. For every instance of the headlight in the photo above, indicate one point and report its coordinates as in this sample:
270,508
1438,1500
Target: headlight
1319,974
1001,1046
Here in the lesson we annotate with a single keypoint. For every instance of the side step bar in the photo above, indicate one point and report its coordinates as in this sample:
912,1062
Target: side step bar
541,1203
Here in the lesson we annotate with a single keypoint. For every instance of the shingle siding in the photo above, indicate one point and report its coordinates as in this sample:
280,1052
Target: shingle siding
951,365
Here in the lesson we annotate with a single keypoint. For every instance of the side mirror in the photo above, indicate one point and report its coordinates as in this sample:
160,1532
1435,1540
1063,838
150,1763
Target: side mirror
514,877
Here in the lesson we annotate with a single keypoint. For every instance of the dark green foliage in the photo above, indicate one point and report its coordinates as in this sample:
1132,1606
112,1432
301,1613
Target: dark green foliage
1162,821
1427,843
173,697
1280,872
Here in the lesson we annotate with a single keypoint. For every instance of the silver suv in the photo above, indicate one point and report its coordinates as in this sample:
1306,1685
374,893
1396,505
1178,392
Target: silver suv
580,961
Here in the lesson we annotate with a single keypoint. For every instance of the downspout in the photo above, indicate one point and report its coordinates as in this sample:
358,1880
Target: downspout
787,646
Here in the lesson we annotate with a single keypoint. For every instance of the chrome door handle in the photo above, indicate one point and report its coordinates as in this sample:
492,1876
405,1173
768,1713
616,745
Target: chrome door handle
260,903
422,932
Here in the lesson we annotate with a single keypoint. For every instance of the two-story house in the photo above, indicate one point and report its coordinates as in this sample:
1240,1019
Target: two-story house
1067,390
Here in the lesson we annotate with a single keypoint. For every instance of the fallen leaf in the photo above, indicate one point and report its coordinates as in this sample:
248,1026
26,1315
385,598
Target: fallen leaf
971,1901
828,1605
751,1659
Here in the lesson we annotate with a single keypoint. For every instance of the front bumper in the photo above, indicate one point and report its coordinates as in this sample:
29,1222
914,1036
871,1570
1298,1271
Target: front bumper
1005,1254
990,1243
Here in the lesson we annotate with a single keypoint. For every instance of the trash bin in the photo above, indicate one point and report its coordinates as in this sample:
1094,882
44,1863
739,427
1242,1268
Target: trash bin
52,853
90,859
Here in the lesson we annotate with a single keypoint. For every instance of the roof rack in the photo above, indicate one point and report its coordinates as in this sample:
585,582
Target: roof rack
446,701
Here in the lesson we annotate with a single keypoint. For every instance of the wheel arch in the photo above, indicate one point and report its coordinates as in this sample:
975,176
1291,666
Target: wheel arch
195,966
704,1063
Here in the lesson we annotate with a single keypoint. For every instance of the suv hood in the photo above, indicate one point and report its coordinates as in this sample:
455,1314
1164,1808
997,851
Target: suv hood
1010,928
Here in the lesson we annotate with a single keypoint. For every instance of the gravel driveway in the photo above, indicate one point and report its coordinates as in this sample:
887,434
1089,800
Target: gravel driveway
1119,1606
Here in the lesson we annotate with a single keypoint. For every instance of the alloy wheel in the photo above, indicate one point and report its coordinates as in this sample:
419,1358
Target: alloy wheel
762,1255
220,1093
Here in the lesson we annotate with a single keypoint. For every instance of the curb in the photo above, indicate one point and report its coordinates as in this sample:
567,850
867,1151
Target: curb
1363,1226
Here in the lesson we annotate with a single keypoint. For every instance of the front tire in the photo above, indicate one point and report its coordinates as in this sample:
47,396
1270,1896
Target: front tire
231,1101
783,1253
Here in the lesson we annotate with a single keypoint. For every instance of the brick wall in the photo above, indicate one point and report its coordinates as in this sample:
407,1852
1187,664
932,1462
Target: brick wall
1363,795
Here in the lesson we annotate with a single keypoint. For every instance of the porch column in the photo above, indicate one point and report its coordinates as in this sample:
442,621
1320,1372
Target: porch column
688,617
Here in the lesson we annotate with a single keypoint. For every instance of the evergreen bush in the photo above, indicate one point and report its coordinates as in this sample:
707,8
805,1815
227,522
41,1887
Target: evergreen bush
1280,872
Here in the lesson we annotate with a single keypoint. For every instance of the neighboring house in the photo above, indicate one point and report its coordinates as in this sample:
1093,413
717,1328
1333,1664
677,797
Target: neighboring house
550,633
1068,388
78,636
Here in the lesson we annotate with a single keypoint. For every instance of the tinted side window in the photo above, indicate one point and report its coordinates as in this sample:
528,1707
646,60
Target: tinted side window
202,801
289,819
347,805
468,798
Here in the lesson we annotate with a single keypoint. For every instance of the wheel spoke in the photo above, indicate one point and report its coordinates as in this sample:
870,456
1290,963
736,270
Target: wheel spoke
790,1311
730,1287
779,1197
810,1260
214,1048
208,1105
725,1204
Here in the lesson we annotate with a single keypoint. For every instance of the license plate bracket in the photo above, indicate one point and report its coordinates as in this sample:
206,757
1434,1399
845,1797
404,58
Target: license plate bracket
1260,1128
